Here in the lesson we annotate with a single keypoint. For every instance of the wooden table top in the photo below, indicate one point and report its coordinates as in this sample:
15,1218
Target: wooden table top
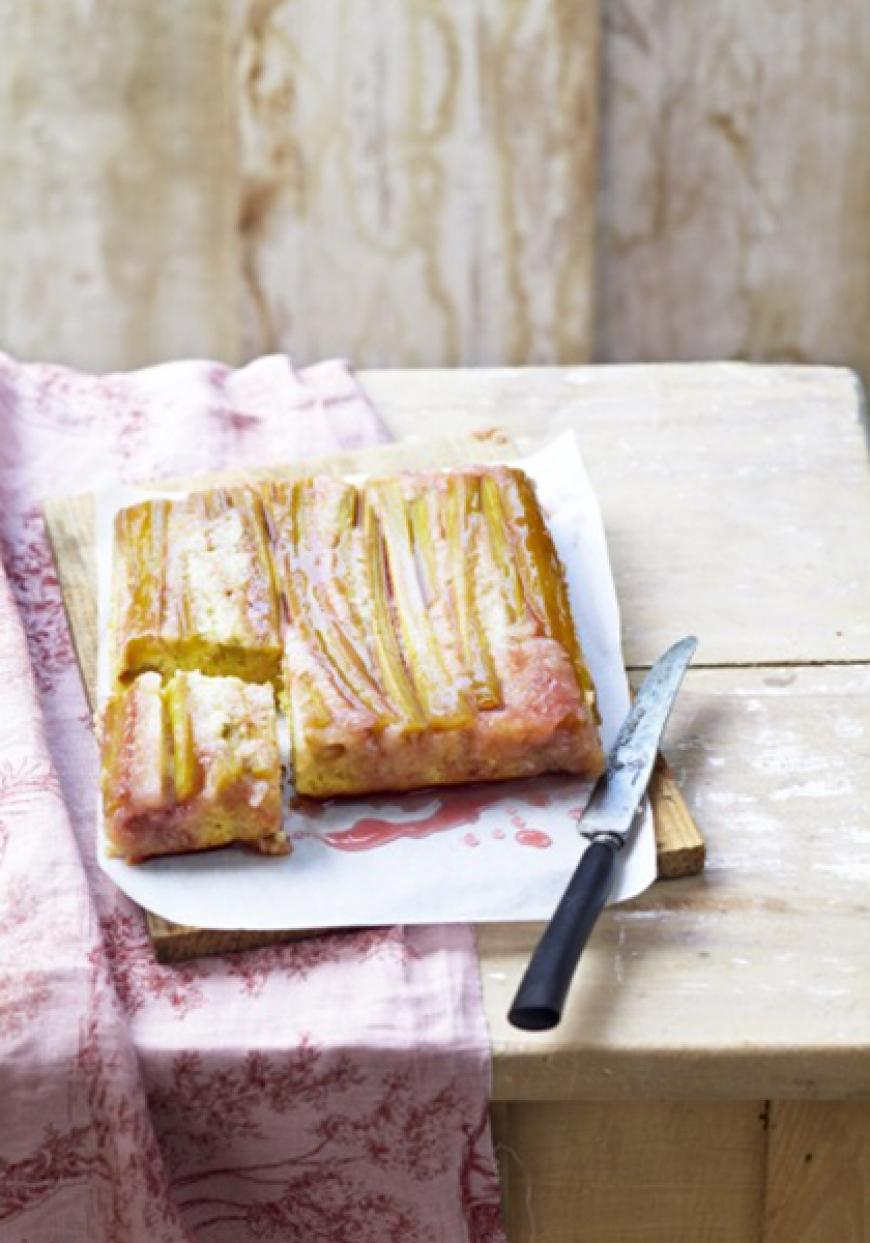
737,507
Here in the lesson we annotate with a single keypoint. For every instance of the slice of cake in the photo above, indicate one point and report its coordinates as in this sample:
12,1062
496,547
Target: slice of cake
193,589
191,764
428,637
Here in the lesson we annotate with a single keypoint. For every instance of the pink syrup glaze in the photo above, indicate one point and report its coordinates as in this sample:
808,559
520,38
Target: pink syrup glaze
455,808
534,837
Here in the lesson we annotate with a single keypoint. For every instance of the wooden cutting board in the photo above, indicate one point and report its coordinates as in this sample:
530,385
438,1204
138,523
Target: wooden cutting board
70,525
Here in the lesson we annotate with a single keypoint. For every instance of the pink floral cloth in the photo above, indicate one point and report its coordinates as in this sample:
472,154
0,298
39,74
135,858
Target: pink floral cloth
331,1091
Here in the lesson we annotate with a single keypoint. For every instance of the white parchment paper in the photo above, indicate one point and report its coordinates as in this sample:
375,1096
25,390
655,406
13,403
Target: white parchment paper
499,852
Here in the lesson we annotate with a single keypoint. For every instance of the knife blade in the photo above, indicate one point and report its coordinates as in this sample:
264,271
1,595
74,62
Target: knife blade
607,824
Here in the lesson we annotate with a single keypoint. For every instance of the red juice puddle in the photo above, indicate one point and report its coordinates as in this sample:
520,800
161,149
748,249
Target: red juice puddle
534,837
456,808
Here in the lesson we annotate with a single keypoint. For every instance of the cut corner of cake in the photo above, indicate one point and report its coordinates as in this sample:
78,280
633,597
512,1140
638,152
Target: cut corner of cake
191,764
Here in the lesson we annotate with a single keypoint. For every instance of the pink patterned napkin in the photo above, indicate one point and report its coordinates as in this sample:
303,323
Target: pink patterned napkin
332,1091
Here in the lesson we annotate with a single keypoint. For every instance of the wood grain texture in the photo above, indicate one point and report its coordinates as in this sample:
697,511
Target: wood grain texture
418,179
179,943
818,1172
70,526
118,239
735,181
680,849
734,496
627,1172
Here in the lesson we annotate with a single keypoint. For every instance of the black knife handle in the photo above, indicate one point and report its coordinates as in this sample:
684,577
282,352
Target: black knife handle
541,995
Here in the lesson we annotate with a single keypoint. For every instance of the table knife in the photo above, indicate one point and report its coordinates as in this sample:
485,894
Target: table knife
607,824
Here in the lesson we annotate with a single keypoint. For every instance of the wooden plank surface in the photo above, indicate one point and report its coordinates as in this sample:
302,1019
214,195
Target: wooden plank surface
818,1173
733,496
181,943
749,981
632,1172
70,525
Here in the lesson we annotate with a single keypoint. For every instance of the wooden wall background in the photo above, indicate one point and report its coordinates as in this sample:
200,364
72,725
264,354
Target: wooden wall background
435,182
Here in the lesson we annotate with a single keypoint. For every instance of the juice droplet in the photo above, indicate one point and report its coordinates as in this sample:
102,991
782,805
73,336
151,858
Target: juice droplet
471,840
534,837
499,834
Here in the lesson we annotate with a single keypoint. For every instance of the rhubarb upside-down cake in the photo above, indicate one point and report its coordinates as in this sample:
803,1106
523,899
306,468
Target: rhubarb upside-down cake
415,630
